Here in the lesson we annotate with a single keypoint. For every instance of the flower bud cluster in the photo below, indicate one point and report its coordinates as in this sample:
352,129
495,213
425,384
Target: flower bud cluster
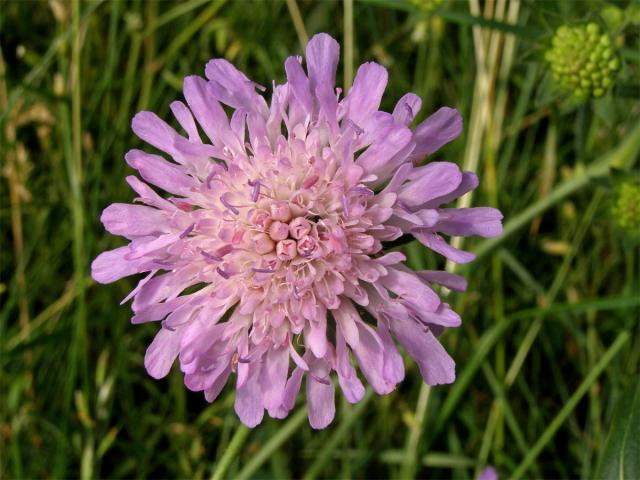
583,60
626,206
277,230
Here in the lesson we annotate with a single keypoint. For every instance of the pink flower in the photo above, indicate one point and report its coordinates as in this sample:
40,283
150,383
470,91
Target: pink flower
279,220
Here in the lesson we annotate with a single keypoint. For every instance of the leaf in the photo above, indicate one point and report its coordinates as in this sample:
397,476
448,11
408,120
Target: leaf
621,455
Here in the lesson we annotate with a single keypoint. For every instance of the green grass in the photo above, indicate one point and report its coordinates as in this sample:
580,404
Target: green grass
551,330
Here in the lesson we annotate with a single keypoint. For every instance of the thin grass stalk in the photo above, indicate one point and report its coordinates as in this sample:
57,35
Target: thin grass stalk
78,209
298,23
15,185
410,461
231,453
557,284
286,431
325,454
348,44
568,408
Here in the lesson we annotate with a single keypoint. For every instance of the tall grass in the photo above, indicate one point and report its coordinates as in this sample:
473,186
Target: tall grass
550,334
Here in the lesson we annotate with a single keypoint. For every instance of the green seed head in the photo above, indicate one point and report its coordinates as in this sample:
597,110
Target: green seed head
625,208
582,60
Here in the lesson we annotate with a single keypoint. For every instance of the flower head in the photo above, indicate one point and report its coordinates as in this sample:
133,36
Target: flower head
276,223
582,60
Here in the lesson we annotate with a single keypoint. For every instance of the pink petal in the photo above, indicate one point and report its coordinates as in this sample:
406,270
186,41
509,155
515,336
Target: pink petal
157,171
232,87
162,353
134,220
320,397
347,377
248,404
429,182
186,121
438,244
482,221
366,93
436,366
411,290
274,376
437,130
111,265
446,279
407,108
210,114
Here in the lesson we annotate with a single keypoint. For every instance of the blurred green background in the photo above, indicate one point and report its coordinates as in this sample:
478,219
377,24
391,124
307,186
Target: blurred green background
550,342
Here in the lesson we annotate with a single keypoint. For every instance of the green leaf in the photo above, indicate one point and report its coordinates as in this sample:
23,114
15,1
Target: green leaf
621,455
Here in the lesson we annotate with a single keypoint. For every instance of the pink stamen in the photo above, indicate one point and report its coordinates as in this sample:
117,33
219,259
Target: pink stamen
211,258
223,274
263,270
255,193
188,230
226,203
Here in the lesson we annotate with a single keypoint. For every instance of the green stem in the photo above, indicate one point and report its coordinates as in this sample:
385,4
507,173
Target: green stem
410,462
231,453
325,454
348,44
284,433
557,422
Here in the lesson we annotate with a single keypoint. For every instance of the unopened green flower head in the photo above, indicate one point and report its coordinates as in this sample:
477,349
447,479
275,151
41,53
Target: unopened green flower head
427,5
583,60
626,206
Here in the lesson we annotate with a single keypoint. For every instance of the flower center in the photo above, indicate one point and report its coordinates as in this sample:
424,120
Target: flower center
277,230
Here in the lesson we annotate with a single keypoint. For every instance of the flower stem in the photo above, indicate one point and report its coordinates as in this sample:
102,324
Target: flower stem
231,452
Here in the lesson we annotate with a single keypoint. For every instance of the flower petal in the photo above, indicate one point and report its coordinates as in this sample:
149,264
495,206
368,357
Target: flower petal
232,87
157,171
322,56
210,114
273,378
469,182
155,131
463,222
436,243
446,279
112,265
347,377
366,93
162,353
438,129
320,396
436,366
248,404
407,108
134,220
429,182
411,290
